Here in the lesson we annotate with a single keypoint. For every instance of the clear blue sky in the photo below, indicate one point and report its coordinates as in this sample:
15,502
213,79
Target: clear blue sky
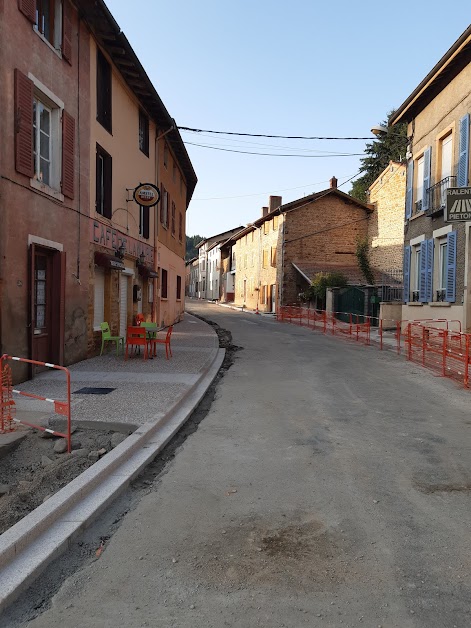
302,67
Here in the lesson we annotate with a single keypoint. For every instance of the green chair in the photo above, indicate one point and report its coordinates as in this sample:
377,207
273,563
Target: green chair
107,337
151,330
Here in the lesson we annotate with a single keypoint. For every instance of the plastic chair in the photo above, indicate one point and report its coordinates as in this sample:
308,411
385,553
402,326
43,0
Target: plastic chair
151,333
107,337
163,341
136,337
139,319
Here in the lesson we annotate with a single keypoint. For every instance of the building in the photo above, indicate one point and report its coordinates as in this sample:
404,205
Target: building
436,251
137,251
209,265
192,277
44,183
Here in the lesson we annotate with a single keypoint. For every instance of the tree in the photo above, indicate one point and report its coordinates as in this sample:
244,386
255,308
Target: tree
390,146
191,250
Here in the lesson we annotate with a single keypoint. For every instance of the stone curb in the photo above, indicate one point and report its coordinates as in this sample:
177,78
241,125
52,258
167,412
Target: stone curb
31,544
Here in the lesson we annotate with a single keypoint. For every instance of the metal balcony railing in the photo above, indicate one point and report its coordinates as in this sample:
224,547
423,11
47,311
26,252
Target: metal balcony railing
417,207
441,295
437,194
415,295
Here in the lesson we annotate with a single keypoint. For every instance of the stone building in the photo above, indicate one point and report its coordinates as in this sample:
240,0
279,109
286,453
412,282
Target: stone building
436,270
209,265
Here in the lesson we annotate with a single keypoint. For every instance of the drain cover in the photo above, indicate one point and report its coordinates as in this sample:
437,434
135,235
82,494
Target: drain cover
94,391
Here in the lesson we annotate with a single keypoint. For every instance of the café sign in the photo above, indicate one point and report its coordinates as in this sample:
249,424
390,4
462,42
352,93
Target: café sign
458,205
146,194
112,239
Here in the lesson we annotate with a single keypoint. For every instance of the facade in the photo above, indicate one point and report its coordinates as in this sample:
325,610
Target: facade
436,270
44,157
136,255
209,265
192,276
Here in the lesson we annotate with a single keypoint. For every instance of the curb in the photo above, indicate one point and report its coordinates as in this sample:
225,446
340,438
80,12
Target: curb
31,544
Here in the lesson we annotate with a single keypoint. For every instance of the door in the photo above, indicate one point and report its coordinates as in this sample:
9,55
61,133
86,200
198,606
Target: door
47,287
447,155
351,301
123,304
273,297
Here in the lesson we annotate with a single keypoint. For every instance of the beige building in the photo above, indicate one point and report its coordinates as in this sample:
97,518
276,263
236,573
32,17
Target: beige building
436,268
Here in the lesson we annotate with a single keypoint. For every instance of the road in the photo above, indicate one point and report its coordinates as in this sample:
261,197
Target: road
329,485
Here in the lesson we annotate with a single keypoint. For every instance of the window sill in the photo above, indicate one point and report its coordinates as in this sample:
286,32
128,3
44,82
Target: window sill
164,298
47,42
440,304
415,303
417,215
45,189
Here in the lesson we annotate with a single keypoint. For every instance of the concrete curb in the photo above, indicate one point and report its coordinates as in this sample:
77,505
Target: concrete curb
30,545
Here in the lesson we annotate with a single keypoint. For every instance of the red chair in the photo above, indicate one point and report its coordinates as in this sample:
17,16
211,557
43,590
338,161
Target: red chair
139,319
136,337
163,341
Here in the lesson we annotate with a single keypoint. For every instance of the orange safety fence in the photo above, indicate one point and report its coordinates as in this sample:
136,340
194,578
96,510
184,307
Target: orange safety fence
437,344
8,420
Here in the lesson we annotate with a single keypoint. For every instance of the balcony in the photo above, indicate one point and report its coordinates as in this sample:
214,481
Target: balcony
441,295
437,195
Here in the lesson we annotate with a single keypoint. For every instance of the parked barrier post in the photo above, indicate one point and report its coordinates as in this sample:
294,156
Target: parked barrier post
466,362
444,352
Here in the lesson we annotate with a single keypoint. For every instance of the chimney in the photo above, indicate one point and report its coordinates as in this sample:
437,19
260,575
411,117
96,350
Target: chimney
274,202
333,183
264,211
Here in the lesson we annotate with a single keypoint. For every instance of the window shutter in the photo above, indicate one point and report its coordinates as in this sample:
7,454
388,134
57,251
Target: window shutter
410,188
463,152
68,155
23,124
99,298
145,220
28,8
451,268
429,271
427,170
423,272
108,186
407,252
67,32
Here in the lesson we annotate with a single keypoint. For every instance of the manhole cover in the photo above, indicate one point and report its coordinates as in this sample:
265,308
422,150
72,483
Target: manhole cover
94,391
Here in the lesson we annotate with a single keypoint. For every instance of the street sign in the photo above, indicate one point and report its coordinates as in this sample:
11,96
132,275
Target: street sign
458,205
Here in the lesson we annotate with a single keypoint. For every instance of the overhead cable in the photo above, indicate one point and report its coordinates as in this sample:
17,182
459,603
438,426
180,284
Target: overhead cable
245,152
284,137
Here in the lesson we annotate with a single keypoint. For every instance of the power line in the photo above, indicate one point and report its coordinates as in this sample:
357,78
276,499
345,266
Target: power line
284,137
245,152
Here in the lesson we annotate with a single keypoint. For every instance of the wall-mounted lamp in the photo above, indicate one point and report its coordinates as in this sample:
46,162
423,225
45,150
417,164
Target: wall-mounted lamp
141,259
120,251
379,130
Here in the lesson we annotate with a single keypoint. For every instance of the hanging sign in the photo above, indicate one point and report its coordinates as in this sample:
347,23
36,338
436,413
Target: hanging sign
146,194
458,205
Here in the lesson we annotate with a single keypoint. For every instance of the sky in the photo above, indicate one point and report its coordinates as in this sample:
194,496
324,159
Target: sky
275,67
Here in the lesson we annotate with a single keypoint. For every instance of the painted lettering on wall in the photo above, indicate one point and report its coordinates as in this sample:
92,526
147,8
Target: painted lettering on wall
112,239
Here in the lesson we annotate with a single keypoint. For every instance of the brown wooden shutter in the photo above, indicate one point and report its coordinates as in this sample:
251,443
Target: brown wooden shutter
68,155
146,223
108,186
67,32
28,8
23,124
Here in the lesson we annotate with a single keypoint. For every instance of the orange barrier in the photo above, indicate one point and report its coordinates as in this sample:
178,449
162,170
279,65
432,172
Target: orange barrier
7,406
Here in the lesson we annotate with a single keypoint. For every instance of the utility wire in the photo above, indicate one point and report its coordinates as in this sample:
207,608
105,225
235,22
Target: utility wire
245,152
284,137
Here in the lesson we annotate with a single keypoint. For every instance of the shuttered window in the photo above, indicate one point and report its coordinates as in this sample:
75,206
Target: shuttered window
427,180
163,287
103,91
180,226
23,125
410,188
273,255
174,211
265,259
426,271
407,256
67,31
68,155
463,152
103,182
144,218
143,133
179,287
450,294
99,299
164,208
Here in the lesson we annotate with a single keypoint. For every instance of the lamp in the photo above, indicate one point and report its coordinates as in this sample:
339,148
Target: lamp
120,251
379,130
141,259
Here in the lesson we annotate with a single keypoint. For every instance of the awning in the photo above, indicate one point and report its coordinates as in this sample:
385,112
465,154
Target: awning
147,272
109,262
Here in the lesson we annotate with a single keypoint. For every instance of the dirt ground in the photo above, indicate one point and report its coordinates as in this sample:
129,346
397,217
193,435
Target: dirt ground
31,471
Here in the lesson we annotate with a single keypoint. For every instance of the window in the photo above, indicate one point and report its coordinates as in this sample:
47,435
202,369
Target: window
166,155
179,287
180,226
143,133
447,156
420,184
253,235
273,255
265,258
164,275
103,182
48,21
245,261
42,145
174,211
442,264
164,208
275,223
263,295
99,299
417,262
103,91
144,227
266,226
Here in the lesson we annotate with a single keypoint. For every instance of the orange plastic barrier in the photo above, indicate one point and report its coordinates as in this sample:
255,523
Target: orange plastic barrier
7,407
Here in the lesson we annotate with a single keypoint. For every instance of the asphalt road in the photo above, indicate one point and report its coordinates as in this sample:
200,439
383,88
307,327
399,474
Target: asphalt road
329,485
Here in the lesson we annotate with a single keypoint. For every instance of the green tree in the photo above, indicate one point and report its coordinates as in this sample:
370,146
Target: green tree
389,146
191,250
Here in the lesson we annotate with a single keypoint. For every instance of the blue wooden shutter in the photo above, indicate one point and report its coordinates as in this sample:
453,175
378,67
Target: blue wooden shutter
423,272
407,250
463,152
410,188
427,170
451,268
429,271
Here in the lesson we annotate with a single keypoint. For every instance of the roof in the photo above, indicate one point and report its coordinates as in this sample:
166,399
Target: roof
449,66
111,38
301,202
386,171
351,271
220,237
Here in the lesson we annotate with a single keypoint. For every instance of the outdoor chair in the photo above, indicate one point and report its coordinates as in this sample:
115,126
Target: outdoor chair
163,341
139,319
107,337
151,333
136,337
